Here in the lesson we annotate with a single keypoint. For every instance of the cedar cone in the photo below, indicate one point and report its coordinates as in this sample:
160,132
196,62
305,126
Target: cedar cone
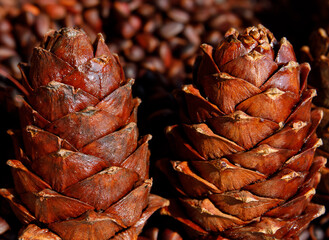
83,172
244,165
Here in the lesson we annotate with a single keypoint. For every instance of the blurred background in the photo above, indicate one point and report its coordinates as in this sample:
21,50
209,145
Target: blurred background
157,42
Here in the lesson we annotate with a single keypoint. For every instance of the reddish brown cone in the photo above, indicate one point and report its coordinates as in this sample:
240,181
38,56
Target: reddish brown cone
246,146
83,172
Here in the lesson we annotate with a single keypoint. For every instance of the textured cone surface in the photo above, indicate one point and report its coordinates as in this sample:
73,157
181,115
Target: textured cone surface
83,173
32,231
246,146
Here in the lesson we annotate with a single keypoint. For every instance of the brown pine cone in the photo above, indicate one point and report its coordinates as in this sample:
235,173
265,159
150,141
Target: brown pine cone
244,164
83,172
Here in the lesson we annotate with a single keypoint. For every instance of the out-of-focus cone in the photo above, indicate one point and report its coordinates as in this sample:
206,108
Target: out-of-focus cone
317,54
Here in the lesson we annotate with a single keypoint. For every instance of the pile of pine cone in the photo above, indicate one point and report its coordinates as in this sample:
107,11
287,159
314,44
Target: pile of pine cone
114,109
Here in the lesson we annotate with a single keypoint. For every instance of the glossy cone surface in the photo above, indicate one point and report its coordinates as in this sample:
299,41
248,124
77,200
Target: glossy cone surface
245,166
83,172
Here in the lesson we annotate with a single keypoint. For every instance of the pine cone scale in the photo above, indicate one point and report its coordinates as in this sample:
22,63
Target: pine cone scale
87,226
65,161
93,190
245,208
57,100
41,73
116,152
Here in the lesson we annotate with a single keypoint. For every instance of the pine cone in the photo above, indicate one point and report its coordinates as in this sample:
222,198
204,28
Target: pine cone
246,167
83,172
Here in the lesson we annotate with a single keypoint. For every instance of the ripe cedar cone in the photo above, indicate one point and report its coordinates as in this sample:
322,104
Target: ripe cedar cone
317,54
83,172
246,144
